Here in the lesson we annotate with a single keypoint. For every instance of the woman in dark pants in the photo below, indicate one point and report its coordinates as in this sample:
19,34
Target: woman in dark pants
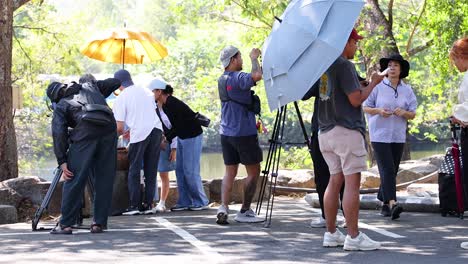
459,57
389,107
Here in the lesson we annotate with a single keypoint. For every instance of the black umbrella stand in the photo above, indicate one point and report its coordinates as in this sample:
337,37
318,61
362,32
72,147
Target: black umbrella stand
270,173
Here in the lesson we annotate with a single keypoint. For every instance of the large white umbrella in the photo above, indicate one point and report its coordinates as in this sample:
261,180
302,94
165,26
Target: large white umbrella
300,49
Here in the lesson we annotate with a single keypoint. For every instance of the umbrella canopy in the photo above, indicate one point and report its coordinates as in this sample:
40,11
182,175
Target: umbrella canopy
124,46
300,49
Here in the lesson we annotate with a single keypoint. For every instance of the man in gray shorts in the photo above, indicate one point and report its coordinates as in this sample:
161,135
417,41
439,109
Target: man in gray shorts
341,139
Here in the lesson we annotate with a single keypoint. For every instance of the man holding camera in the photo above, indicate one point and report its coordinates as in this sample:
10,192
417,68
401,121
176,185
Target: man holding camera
89,147
239,139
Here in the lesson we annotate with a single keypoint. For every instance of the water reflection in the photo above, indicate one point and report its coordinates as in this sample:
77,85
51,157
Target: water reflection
212,165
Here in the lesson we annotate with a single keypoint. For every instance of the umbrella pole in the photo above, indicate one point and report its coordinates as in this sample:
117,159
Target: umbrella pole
123,54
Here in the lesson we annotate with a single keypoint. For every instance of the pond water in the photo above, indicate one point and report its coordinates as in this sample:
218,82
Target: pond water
212,165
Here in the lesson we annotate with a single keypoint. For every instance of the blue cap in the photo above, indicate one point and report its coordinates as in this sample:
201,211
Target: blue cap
124,77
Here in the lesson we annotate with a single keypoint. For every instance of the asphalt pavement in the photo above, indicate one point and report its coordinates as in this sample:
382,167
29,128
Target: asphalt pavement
194,237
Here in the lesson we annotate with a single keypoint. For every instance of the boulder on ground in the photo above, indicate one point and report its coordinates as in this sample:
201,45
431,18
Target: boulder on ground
369,180
8,214
9,196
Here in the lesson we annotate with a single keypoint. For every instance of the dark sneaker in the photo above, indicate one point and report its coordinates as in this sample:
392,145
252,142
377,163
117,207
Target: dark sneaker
179,208
396,211
385,211
222,215
132,211
199,208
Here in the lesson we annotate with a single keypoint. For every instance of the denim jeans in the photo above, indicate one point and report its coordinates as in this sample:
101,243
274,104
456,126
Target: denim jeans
189,183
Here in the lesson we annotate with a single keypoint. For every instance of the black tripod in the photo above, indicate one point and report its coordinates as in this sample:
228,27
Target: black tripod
48,197
273,158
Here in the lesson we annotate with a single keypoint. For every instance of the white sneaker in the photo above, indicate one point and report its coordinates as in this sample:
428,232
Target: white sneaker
160,208
361,242
248,216
464,245
318,222
336,239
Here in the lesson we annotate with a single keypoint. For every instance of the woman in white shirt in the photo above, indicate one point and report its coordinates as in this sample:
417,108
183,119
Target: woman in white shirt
459,57
389,107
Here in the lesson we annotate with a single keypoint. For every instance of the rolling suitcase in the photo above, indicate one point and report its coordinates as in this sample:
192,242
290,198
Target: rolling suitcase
452,198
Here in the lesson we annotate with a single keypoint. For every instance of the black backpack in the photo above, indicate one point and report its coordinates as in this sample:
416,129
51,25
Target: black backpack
95,110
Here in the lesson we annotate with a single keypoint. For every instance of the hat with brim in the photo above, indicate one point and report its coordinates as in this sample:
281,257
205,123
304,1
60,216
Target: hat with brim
404,64
157,84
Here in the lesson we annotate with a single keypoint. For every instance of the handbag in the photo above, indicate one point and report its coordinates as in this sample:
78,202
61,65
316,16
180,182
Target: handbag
448,164
202,120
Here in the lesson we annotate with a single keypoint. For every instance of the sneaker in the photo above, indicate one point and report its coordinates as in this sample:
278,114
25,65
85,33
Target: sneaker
248,216
160,208
318,223
464,245
177,207
385,211
361,242
396,211
336,239
132,211
222,215
199,208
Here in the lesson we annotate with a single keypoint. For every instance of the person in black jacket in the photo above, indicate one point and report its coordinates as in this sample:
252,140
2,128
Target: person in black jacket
189,145
83,147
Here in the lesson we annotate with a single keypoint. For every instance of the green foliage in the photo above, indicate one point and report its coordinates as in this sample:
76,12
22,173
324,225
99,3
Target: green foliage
296,158
48,38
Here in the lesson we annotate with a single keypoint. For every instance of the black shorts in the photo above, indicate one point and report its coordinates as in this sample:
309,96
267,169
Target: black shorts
243,150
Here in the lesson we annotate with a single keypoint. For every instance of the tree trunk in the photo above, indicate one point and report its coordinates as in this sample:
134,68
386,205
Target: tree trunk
8,151
379,25
382,26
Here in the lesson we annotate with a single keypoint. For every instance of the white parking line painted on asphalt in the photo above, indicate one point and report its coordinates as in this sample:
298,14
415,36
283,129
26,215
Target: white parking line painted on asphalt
361,224
202,246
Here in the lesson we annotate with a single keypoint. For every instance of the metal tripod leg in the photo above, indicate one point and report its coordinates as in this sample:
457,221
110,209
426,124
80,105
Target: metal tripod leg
46,201
266,171
273,159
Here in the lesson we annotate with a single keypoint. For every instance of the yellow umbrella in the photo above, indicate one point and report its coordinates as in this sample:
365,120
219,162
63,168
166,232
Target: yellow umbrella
124,46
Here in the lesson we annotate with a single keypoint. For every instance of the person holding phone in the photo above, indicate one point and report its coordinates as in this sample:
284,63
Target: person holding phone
389,107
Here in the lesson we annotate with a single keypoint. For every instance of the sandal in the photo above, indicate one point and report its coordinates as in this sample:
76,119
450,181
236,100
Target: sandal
61,230
96,228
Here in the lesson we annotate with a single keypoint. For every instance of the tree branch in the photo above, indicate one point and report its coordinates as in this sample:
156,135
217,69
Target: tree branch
410,39
254,14
227,19
390,13
418,49
43,29
25,53
18,3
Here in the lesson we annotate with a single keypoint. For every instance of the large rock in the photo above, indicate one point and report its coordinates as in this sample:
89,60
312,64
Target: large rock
407,176
369,180
423,190
28,187
237,193
8,214
9,196
423,167
295,178
435,160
